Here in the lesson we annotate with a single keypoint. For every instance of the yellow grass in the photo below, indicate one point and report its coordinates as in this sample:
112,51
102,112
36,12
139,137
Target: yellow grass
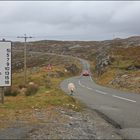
106,77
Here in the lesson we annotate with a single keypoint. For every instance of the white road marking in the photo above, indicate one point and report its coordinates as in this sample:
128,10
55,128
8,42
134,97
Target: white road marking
84,86
123,98
91,78
101,92
89,88
81,84
104,93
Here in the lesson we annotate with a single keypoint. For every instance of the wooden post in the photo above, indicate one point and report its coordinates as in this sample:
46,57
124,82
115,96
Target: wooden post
2,95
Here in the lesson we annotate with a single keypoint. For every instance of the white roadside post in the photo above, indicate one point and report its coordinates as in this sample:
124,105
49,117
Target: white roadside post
5,66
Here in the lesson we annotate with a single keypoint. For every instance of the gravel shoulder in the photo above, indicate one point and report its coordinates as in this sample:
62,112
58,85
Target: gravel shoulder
60,123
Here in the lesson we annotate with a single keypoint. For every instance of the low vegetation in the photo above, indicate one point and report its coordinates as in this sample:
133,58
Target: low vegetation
42,91
124,71
31,89
11,91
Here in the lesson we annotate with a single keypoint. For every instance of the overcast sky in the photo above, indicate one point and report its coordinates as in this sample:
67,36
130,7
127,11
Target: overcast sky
70,20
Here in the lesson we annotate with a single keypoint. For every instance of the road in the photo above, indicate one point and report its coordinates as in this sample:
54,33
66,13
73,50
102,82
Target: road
121,108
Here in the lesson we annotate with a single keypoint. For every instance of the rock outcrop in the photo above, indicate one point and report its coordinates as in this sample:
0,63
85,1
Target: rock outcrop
102,61
129,82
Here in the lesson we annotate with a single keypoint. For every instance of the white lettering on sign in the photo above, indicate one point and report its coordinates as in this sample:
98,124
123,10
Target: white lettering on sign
5,64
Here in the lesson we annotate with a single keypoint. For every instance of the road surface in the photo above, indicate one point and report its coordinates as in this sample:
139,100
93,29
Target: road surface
122,108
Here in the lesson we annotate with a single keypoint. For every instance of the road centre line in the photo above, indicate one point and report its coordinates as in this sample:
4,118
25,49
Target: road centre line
89,88
81,84
84,86
104,93
101,92
91,78
124,98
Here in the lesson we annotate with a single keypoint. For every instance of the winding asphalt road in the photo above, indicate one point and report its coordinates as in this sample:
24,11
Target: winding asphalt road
123,108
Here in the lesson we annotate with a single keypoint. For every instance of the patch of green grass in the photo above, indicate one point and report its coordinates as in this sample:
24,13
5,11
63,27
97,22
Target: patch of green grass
122,64
44,97
22,106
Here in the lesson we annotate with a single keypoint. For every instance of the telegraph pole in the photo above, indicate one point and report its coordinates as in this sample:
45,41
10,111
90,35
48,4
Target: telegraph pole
25,54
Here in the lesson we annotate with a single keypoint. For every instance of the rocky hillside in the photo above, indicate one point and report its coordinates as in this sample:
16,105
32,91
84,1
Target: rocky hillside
118,65
75,48
85,49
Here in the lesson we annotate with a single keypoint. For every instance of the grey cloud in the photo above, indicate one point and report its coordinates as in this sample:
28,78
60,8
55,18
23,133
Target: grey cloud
73,20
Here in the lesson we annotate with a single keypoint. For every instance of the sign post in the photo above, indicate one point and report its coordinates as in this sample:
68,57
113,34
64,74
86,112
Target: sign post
49,67
5,66
2,95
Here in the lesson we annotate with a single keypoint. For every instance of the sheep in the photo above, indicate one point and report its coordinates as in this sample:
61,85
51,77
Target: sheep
71,88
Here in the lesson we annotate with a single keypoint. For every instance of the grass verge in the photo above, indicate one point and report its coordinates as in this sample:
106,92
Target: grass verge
22,106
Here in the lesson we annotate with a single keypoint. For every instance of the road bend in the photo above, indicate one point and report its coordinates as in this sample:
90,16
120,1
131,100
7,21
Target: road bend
121,107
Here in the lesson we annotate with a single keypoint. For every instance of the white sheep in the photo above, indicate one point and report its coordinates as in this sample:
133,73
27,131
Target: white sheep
71,88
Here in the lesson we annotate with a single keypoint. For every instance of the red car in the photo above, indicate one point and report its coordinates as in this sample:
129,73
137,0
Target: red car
85,73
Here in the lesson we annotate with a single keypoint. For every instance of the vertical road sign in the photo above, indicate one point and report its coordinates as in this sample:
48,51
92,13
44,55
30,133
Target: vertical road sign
49,67
5,64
